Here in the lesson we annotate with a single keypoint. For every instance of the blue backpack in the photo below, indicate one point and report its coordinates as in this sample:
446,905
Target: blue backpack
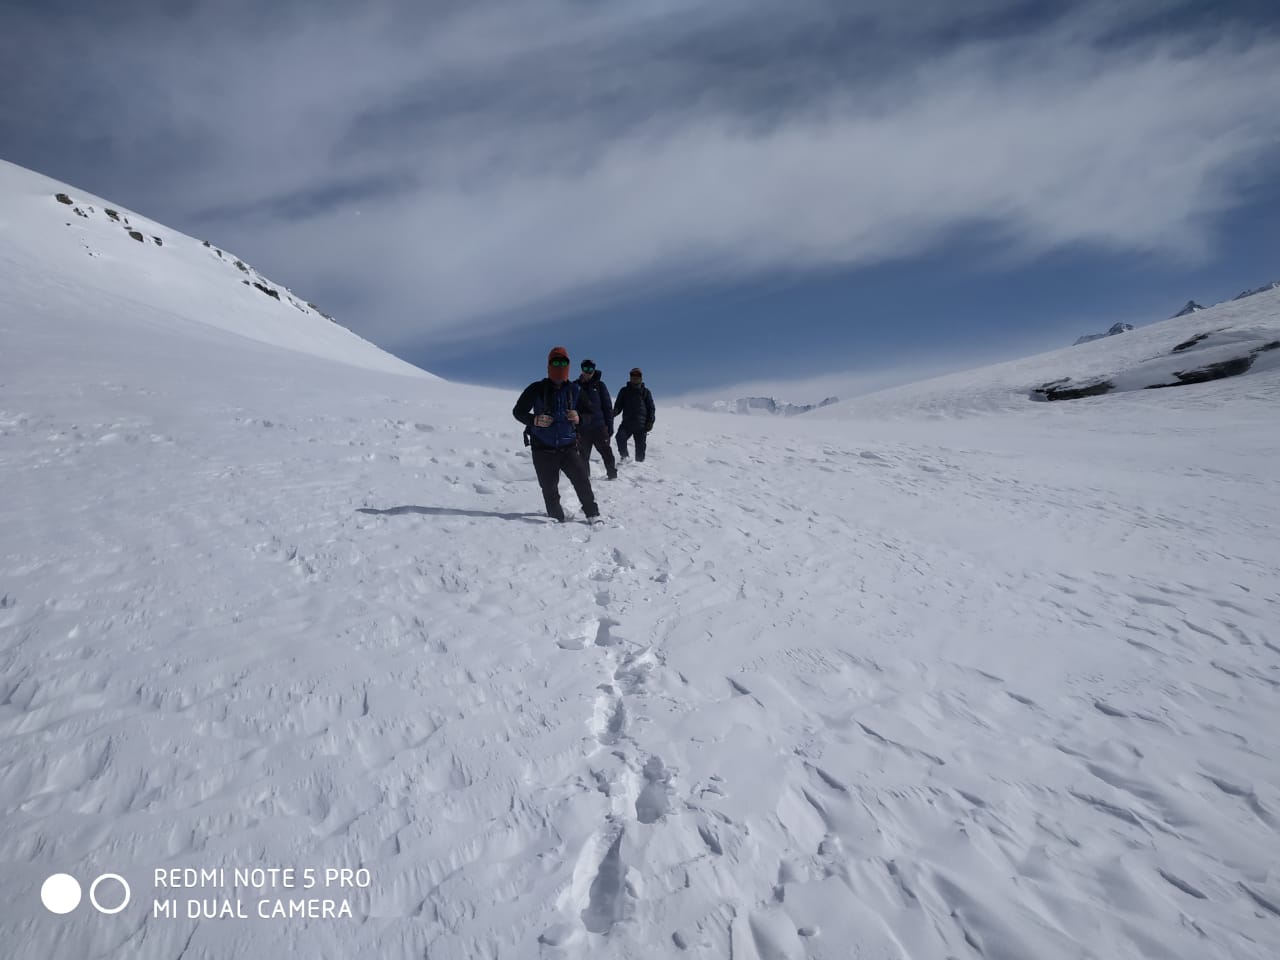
556,403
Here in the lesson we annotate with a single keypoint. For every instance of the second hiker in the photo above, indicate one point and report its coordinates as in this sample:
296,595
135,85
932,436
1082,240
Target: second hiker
596,426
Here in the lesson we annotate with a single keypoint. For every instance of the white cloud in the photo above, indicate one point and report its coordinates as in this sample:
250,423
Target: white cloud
1128,155
537,162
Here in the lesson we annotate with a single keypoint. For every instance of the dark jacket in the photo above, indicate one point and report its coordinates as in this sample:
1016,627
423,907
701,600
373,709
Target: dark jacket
635,404
556,399
600,405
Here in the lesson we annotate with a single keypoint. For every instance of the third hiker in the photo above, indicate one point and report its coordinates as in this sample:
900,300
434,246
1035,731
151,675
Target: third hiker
635,404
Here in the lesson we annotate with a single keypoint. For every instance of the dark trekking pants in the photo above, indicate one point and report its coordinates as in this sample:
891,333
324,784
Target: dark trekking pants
598,438
624,434
548,464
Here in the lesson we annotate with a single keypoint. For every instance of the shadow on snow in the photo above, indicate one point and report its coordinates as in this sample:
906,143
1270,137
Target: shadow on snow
451,512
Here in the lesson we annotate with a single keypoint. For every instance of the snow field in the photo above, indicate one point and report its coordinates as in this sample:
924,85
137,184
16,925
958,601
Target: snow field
976,678
799,694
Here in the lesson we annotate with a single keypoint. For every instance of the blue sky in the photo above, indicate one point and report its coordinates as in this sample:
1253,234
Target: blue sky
816,196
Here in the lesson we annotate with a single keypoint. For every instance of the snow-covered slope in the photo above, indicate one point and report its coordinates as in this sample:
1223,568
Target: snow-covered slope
1151,356
65,250
999,687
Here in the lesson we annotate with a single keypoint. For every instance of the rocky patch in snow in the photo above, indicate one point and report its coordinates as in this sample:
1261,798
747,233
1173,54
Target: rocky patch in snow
1210,355
257,281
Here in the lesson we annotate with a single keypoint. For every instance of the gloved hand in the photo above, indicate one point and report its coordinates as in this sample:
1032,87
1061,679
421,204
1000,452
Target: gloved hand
573,416
648,427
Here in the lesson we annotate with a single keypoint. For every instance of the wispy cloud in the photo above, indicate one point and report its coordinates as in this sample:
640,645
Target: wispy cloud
487,162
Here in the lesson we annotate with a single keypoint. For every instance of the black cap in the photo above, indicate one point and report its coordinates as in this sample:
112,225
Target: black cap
588,363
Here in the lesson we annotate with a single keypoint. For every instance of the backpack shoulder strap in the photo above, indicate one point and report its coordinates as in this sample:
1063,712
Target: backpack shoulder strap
543,402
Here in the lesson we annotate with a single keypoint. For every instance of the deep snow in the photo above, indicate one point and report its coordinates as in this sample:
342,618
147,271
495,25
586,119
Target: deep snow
938,672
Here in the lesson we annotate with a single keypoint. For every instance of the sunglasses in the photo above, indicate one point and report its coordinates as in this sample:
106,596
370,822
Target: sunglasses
559,363
588,369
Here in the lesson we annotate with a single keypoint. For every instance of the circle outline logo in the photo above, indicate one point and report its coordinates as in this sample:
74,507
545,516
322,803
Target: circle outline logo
93,893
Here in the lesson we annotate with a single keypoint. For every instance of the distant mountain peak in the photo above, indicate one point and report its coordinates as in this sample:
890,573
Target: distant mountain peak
1116,328
1190,308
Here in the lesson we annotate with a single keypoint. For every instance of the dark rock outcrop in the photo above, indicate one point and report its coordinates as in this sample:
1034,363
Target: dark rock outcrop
1059,390
1188,344
1213,371
1217,370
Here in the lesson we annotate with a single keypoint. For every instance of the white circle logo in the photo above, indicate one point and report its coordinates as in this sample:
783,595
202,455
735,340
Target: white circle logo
93,893
60,893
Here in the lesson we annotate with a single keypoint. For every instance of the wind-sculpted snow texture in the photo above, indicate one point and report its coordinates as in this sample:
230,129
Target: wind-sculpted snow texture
993,680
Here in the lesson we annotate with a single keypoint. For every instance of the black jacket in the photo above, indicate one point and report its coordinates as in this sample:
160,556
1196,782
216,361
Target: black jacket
600,404
635,404
543,396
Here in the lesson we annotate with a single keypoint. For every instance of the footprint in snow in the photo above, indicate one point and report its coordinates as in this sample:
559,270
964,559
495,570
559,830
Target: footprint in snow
606,899
654,801
610,717
604,638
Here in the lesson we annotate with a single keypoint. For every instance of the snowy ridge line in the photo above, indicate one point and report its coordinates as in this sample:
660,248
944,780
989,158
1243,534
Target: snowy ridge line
252,277
1273,285
100,256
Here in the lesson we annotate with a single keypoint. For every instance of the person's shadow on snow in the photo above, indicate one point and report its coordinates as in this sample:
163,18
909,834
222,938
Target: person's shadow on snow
452,512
